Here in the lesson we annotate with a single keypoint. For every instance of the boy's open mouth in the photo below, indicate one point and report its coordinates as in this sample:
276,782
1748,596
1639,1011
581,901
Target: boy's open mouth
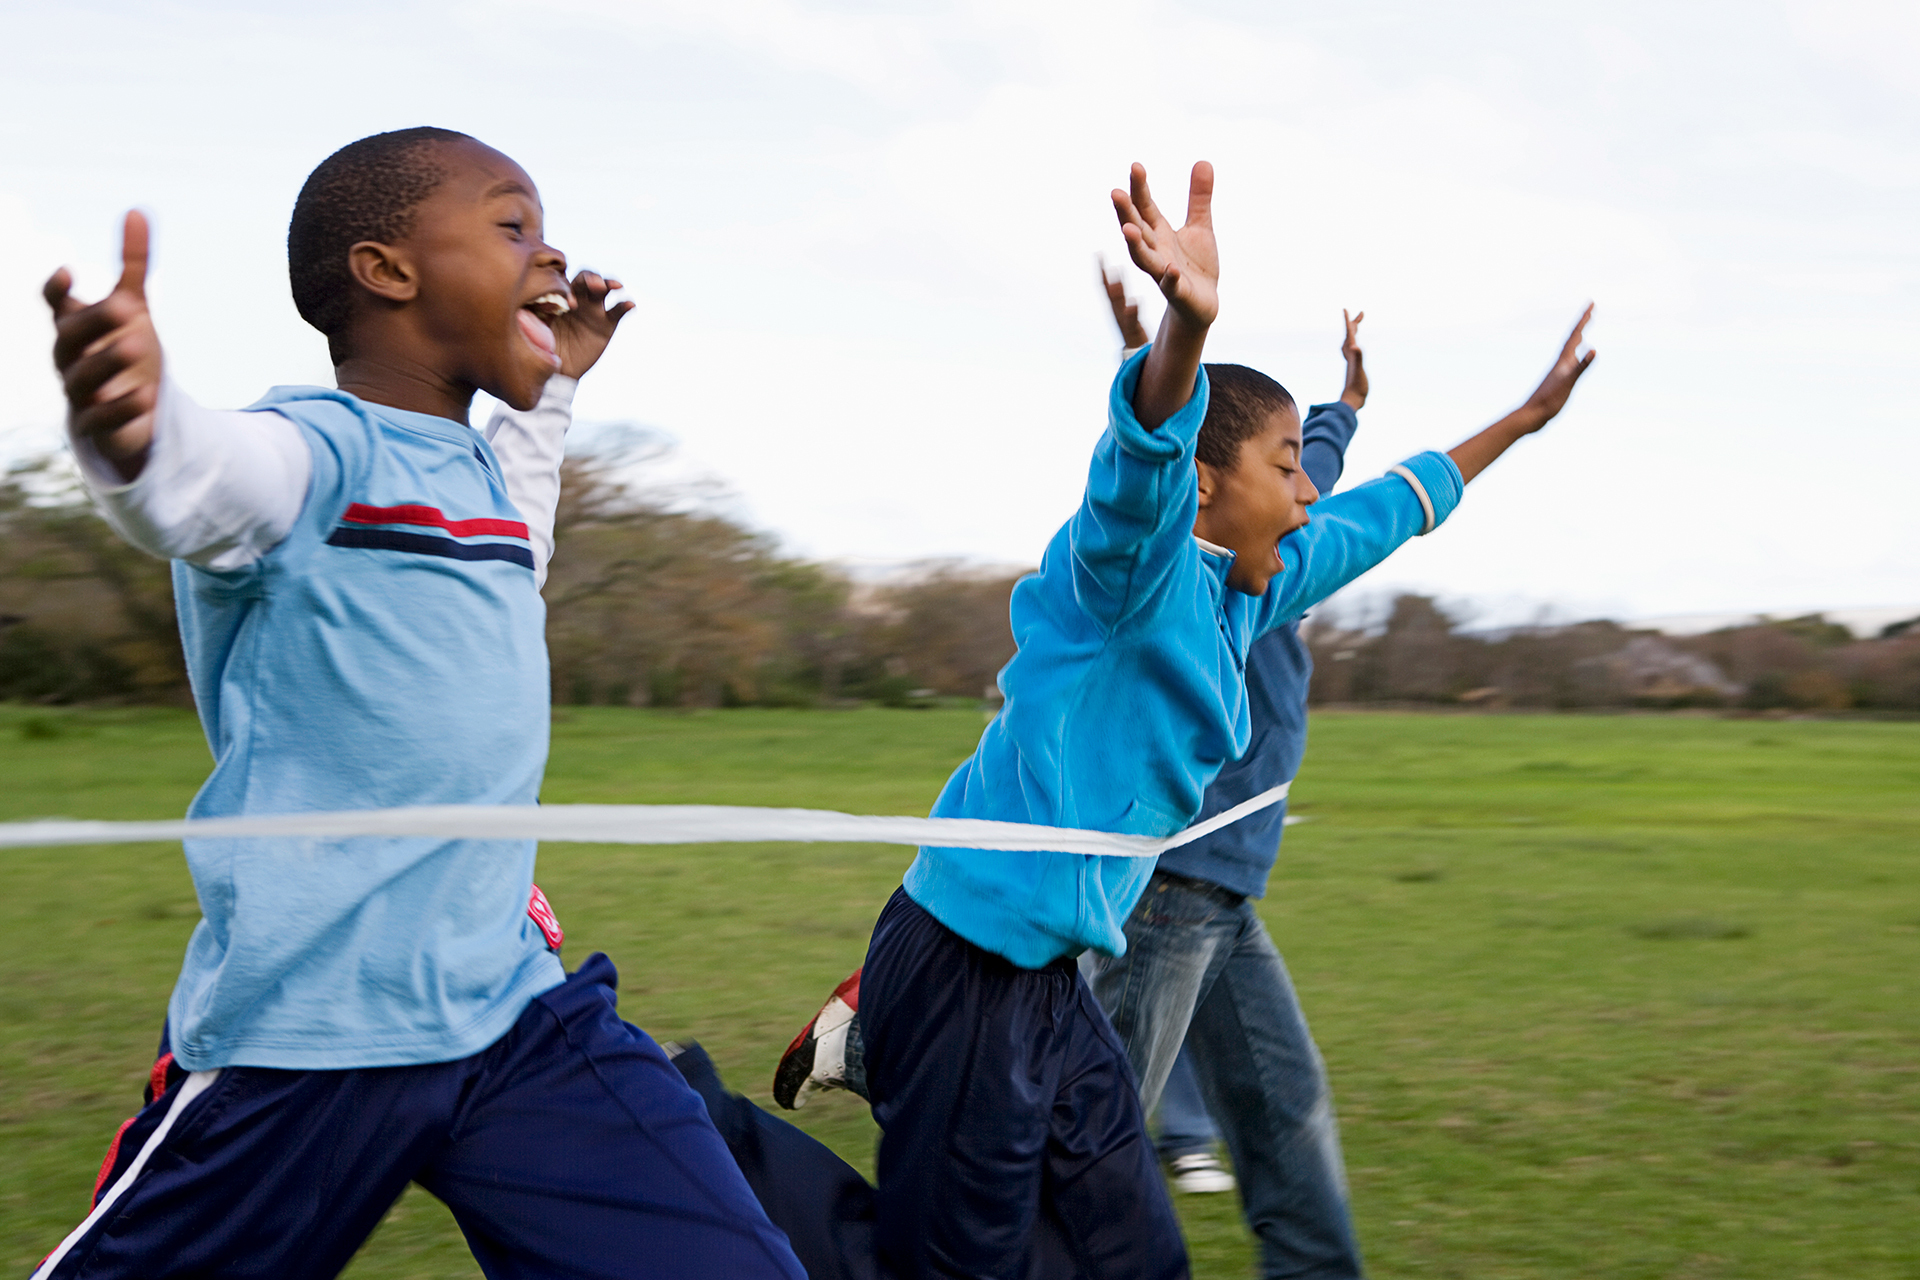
536,326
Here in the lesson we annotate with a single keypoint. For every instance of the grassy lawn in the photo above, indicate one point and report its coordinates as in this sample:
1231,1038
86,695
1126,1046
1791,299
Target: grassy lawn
1600,996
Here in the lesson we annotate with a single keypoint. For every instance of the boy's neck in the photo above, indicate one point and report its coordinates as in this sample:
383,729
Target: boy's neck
397,385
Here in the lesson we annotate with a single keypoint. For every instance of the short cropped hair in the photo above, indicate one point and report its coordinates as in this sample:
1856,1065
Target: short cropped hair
367,190
1239,402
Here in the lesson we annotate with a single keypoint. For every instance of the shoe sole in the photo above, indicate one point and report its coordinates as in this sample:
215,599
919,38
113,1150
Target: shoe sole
793,1079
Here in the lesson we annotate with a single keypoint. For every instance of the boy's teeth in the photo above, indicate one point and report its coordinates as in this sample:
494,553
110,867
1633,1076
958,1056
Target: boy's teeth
557,301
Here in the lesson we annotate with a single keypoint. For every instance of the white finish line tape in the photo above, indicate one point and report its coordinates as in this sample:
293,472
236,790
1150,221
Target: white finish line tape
637,824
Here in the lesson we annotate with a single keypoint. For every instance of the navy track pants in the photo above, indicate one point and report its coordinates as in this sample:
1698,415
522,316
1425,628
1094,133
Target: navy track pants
570,1148
1013,1145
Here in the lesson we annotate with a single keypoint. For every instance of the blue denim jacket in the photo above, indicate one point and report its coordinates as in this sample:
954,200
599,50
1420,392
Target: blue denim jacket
1239,857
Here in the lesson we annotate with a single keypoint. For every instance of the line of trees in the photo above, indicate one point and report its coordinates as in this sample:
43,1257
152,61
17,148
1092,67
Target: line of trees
651,601
1419,654
657,601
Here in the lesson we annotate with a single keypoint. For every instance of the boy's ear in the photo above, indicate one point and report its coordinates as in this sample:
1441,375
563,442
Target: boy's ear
383,271
1207,481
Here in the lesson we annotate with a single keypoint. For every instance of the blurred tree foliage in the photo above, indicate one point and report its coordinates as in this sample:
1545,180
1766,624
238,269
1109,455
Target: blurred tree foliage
83,616
656,598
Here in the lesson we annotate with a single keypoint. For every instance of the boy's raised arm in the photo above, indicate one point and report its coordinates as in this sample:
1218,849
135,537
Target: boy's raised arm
215,488
1354,394
1185,263
1476,453
109,357
1126,312
1354,531
1329,428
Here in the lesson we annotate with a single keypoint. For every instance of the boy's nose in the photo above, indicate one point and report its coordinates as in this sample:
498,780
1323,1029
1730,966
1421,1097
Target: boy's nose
1305,491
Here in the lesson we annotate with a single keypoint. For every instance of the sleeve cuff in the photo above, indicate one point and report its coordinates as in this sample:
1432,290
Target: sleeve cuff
560,388
1436,482
1339,409
102,477
1171,438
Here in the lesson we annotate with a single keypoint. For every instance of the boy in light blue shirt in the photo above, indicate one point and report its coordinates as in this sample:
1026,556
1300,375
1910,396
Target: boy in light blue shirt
359,604
1013,1141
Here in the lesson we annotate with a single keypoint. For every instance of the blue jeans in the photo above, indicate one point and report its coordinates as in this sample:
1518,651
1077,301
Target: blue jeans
1182,1126
1201,968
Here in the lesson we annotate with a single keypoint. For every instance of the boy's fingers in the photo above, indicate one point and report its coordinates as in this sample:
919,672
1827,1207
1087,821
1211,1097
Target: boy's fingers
588,288
1200,195
100,419
133,255
83,378
1144,257
130,350
58,293
1142,195
79,331
1579,327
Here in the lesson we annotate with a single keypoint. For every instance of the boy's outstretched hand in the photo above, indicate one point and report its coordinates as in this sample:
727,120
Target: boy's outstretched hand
108,356
1550,397
582,334
1355,395
1126,312
1474,455
1185,263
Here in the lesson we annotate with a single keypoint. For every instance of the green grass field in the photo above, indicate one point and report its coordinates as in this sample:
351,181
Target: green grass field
1600,996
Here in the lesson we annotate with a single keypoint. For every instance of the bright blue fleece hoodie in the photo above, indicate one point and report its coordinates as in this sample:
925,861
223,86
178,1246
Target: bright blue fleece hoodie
1127,694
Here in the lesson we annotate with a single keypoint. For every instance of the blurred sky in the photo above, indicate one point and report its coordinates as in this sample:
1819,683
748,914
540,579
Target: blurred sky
862,240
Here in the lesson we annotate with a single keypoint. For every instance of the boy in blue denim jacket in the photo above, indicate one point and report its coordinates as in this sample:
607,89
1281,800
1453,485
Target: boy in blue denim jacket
1202,988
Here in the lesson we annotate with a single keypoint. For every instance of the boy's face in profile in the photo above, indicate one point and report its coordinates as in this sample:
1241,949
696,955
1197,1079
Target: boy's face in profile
1260,500
484,282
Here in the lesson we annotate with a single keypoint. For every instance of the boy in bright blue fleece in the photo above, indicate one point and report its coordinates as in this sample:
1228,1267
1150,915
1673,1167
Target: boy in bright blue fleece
1013,1142
358,600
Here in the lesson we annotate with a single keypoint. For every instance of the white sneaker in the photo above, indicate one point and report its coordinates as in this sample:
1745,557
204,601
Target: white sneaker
1201,1174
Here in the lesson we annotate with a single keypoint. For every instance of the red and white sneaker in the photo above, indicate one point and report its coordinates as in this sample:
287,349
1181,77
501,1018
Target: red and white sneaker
817,1058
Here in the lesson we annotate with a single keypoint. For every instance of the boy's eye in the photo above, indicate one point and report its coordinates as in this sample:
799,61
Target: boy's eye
514,226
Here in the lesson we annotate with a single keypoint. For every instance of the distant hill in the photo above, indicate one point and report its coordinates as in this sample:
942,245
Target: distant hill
1864,623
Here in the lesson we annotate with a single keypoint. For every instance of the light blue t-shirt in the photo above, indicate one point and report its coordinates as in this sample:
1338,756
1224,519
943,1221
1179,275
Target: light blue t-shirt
391,651
1128,692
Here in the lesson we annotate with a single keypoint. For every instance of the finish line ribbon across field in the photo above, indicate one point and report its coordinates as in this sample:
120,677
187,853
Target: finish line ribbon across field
636,824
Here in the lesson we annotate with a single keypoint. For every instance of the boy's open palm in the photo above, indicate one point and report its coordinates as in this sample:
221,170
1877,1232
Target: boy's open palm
1355,392
582,334
1184,262
1550,397
108,356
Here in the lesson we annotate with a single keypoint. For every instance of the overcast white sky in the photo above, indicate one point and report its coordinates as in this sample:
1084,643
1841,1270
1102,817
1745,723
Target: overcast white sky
862,241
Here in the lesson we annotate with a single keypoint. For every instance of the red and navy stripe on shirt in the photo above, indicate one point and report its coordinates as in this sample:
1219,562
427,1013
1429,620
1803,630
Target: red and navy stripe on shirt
400,529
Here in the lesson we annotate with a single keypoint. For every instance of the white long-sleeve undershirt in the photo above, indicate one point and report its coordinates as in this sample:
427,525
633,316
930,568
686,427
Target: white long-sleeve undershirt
222,488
